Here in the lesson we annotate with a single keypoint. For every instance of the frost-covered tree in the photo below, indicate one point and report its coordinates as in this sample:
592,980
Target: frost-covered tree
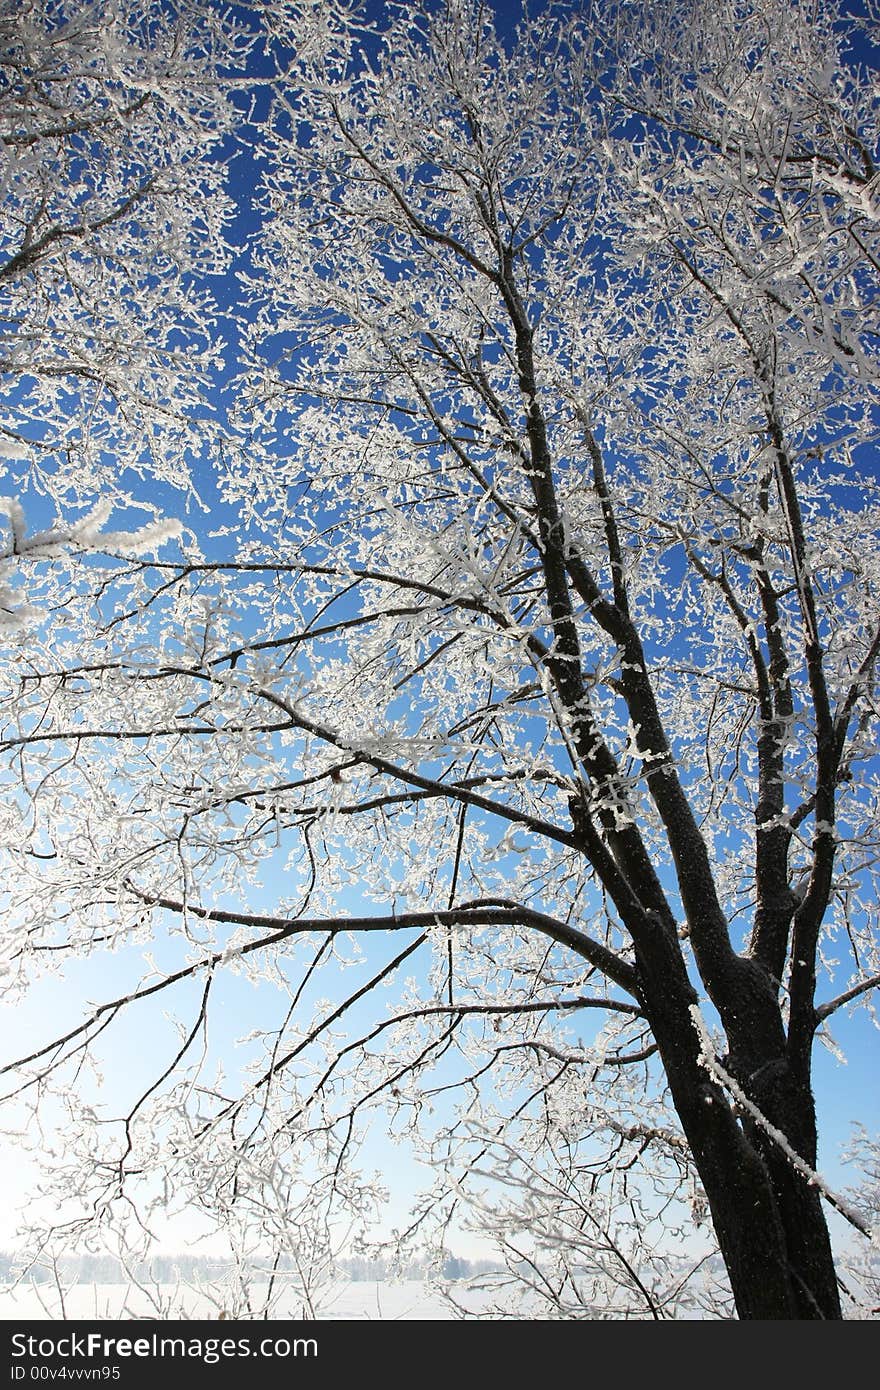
112,222
519,742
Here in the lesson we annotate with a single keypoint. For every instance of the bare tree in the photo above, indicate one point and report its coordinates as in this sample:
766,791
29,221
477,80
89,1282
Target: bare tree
537,679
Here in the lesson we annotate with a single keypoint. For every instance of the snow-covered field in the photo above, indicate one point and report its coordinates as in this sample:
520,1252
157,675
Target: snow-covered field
386,1301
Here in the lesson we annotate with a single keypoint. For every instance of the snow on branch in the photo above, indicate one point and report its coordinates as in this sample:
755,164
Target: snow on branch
86,534
723,1077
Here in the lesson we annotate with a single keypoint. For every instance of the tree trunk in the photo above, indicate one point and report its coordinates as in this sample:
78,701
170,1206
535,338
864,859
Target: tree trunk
799,1203
768,1220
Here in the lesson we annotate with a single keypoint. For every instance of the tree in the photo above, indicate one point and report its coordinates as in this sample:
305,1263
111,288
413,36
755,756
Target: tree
112,221
541,660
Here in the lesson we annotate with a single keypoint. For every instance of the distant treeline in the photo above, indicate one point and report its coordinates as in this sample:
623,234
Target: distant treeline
200,1269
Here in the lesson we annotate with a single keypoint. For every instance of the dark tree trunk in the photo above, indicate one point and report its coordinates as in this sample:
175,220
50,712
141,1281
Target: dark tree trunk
768,1220
799,1203
769,1223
